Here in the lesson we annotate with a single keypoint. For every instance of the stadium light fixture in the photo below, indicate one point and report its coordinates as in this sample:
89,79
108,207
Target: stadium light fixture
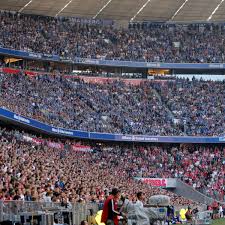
100,10
139,10
25,6
214,11
184,3
63,8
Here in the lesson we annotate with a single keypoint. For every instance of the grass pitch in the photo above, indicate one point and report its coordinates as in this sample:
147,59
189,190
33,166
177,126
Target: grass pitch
219,222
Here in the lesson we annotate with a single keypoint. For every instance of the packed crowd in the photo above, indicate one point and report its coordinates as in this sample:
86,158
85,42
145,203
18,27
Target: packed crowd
155,43
198,105
114,107
179,107
199,166
36,172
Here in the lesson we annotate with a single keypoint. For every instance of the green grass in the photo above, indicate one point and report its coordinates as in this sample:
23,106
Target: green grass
219,222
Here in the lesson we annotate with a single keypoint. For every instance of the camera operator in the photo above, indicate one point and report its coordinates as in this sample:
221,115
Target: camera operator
140,199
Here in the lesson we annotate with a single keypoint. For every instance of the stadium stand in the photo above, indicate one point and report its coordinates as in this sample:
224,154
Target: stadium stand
154,43
31,171
54,169
116,107
142,10
194,103
39,169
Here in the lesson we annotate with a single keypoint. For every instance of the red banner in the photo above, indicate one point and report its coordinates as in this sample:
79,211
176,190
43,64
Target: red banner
37,141
10,70
55,145
51,144
99,80
81,148
103,80
154,182
16,71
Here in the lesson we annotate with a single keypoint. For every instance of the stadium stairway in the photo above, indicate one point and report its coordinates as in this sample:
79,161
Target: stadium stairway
170,113
185,190
160,99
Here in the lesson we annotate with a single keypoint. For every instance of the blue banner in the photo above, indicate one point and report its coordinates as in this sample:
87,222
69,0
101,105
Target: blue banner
29,55
113,63
14,118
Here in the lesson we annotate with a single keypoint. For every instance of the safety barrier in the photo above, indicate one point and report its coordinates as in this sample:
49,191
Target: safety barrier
45,213
23,121
112,63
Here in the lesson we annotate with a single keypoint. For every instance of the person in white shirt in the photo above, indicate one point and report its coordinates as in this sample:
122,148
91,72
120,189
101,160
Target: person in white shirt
140,199
136,213
221,211
47,197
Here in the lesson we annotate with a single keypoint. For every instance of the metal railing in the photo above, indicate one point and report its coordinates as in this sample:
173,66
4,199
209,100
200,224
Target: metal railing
46,212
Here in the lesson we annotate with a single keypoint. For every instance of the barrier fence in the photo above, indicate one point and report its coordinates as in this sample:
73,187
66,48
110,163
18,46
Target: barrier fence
45,213
48,213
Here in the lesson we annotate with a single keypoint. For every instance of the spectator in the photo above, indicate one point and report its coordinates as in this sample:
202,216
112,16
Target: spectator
193,43
116,107
37,169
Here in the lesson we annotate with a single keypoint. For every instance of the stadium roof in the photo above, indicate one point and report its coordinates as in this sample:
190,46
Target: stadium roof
134,10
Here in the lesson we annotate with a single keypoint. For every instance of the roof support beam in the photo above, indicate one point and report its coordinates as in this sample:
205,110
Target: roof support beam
25,6
214,11
100,10
179,9
142,7
63,8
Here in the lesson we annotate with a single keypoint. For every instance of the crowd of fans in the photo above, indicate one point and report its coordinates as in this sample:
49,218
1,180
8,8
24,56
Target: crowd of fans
114,107
198,105
155,43
179,107
32,171
36,172
201,167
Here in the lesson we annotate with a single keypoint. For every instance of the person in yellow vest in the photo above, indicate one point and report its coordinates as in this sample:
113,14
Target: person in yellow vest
98,218
182,215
